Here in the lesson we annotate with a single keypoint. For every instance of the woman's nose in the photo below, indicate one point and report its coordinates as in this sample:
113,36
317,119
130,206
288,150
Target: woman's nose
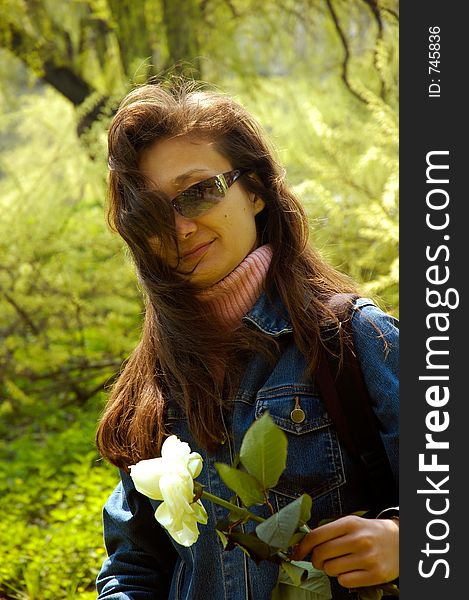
185,227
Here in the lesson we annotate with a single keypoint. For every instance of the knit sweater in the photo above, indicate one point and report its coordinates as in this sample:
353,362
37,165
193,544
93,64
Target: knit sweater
232,297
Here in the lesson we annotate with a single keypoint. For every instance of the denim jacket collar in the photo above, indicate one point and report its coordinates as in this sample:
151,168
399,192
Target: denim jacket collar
269,315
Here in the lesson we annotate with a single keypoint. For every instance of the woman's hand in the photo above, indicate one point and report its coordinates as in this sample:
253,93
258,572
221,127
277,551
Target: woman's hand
359,552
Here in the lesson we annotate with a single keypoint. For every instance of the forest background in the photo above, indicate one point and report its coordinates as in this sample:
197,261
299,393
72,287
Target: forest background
320,75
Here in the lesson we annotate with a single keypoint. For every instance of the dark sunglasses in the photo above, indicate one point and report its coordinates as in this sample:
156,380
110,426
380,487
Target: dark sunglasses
201,196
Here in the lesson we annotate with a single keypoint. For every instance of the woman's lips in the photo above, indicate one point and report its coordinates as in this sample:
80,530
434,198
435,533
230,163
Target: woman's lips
197,251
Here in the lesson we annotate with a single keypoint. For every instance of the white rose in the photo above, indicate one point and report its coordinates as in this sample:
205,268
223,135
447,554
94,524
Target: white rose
170,478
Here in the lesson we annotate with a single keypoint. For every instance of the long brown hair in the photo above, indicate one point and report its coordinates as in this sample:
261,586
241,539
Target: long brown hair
180,348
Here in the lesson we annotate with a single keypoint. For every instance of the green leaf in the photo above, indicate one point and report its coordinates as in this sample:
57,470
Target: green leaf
305,501
358,513
390,589
223,538
370,593
245,485
278,529
299,580
376,592
251,545
294,572
235,462
296,538
264,451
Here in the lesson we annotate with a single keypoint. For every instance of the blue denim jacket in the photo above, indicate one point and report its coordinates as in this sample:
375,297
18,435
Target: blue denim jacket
144,563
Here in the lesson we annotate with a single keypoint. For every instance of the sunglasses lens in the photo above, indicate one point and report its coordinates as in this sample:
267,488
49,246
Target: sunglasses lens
200,197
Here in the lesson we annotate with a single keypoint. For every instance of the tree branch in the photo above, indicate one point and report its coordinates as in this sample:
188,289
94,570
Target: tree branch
345,62
65,81
60,77
373,5
65,371
390,11
22,313
233,9
83,395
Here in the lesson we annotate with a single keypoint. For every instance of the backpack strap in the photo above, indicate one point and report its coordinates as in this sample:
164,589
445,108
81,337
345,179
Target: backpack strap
344,392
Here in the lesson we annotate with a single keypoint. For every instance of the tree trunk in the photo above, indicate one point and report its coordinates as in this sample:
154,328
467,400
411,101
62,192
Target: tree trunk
181,19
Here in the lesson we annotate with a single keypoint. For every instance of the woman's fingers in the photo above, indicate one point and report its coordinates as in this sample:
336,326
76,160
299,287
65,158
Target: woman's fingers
326,533
360,552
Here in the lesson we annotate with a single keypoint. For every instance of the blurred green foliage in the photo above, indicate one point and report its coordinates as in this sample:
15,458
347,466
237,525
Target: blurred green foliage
52,488
322,79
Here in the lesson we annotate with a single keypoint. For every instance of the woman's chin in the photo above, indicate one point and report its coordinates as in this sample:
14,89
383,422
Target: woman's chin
204,275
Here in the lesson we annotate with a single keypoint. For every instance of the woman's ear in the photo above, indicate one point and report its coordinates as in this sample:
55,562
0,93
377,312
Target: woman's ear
258,204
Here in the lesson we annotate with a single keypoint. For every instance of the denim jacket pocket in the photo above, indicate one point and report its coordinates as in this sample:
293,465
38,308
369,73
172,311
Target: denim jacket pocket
314,461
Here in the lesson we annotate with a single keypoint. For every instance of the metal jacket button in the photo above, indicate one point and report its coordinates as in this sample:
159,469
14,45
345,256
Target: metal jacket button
297,415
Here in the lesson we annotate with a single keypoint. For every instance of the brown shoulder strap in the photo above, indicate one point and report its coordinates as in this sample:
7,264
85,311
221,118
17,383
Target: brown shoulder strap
347,401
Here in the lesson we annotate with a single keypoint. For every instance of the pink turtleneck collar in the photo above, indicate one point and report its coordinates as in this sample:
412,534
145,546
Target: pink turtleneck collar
232,297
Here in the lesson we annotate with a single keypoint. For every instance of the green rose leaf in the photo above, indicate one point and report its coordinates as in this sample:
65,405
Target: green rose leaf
358,513
370,593
376,592
305,503
288,592
296,538
390,589
245,485
292,572
264,451
223,538
278,529
299,580
251,545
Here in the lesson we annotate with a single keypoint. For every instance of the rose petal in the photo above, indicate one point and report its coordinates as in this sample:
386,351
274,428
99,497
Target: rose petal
177,490
173,449
194,464
188,535
199,512
146,476
181,526
164,516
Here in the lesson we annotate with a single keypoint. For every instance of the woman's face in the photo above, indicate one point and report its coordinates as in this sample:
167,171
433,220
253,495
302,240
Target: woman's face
212,244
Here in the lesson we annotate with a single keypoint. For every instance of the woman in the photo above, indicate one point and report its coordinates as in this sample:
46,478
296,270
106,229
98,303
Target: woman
235,299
